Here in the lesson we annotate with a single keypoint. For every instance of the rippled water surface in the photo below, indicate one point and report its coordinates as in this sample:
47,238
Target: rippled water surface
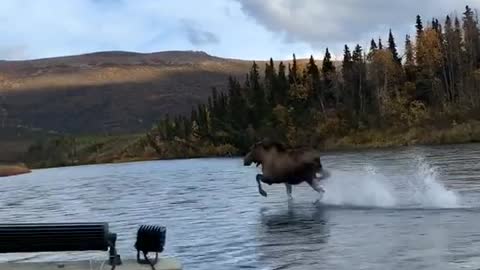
410,208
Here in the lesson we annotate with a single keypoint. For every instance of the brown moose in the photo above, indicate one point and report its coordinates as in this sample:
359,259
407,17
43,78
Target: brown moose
287,166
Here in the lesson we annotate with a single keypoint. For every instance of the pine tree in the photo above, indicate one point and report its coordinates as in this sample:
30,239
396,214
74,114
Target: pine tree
283,85
359,82
458,58
471,37
409,60
193,115
419,52
257,96
393,48
185,127
271,84
329,75
313,74
237,106
419,27
214,98
373,49
347,70
451,67
293,72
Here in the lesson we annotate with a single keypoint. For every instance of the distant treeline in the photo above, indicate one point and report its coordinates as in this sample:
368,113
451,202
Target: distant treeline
436,82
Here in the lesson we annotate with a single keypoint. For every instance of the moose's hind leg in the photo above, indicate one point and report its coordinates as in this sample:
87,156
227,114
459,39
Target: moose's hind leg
262,192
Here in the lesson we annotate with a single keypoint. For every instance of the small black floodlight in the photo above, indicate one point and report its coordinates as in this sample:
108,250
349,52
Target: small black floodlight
150,239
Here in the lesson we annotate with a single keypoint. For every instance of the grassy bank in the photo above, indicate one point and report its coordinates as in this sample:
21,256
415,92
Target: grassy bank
13,169
468,132
128,148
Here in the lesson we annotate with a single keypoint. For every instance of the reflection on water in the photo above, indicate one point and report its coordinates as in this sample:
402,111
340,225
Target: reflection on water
409,208
287,238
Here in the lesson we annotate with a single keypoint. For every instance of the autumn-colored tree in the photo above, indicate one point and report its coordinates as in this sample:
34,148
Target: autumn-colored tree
429,85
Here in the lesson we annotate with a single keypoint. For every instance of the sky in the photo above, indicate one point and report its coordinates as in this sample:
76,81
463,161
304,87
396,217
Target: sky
242,29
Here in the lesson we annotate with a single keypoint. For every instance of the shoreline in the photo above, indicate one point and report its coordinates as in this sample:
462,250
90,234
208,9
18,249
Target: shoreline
7,170
328,150
128,149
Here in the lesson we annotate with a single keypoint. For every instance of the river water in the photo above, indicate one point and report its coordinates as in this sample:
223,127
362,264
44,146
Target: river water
407,208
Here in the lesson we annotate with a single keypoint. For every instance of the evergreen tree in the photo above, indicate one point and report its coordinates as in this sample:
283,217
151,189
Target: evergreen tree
293,72
471,37
257,96
420,50
237,107
347,70
359,82
271,84
419,27
373,49
329,76
283,85
313,74
409,60
193,115
393,48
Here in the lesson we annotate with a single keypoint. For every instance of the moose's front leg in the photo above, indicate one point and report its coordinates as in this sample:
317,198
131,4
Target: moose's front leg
260,189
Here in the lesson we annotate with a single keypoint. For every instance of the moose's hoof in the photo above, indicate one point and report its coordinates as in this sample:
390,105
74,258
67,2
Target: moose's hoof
263,193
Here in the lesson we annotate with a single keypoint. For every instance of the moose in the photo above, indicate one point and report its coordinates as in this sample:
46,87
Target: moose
287,166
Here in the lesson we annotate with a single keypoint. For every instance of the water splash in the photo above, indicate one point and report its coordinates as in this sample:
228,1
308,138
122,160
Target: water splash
366,189
427,189
418,187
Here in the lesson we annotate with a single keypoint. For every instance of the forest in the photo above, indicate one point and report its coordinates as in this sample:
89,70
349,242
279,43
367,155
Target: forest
375,95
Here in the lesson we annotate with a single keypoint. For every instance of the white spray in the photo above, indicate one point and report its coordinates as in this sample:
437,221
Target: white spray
421,188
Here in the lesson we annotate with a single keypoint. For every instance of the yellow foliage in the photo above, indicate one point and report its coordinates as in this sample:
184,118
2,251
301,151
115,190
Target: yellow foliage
398,109
332,126
429,49
299,91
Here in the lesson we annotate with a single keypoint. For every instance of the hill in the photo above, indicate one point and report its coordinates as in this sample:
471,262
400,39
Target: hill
112,92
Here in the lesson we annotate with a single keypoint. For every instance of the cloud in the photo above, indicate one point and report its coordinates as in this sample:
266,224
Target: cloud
47,28
323,22
197,36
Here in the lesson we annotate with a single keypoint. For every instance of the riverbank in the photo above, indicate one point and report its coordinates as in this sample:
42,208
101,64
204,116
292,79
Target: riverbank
101,150
468,132
13,169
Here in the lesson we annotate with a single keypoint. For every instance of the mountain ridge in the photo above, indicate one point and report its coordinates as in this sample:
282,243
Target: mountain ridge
113,92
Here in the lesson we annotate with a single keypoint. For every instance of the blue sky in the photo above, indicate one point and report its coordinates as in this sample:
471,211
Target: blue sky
245,29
